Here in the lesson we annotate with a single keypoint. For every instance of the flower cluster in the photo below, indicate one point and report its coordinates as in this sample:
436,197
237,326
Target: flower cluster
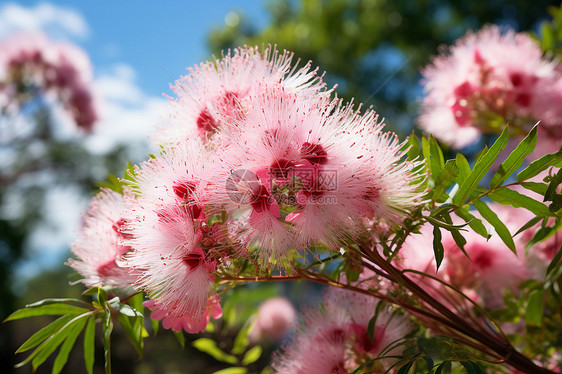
335,337
31,63
488,79
258,165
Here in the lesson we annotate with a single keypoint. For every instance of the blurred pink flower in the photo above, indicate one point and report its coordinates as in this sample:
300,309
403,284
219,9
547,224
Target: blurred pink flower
275,317
488,79
32,60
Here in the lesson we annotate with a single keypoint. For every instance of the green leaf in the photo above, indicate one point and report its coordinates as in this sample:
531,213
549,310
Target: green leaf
444,368
437,247
515,159
233,370
554,262
460,241
433,156
480,169
539,188
107,329
57,301
89,344
493,219
532,222
464,168
46,348
252,355
406,368
534,310
472,367
539,165
210,347
506,196
155,325
474,223
412,146
44,333
241,341
43,310
133,330
180,338
444,180
67,346
445,225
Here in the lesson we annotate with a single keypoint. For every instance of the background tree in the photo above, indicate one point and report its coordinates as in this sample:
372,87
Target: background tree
373,49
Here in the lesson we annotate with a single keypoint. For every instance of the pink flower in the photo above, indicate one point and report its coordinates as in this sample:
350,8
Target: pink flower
98,245
191,324
334,338
225,89
488,79
33,61
312,173
175,249
275,317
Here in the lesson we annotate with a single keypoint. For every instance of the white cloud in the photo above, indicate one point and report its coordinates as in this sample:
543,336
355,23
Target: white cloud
55,20
128,115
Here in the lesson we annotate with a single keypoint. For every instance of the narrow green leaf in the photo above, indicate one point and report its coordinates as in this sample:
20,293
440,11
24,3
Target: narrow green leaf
412,147
506,196
252,355
51,344
44,333
472,367
534,310
474,223
444,368
532,222
460,241
180,338
445,225
553,186
437,247
211,348
89,344
464,168
43,310
554,262
498,225
539,165
539,188
233,370
444,180
107,329
241,341
480,169
406,368
58,301
133,331
515,159
155,325
67,346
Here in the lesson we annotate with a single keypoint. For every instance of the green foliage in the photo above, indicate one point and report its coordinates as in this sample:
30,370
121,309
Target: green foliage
78,316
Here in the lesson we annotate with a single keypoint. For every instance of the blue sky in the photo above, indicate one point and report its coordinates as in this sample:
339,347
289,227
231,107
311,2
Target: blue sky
123,40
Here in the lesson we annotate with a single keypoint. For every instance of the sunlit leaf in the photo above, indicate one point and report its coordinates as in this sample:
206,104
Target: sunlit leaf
498,225
44,333
210,347
539,165
506,196
67,346
535,306
89,344
515,159
252,355
480,169
43,310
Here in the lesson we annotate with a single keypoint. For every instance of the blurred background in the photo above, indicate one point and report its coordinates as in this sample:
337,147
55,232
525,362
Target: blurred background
372,49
